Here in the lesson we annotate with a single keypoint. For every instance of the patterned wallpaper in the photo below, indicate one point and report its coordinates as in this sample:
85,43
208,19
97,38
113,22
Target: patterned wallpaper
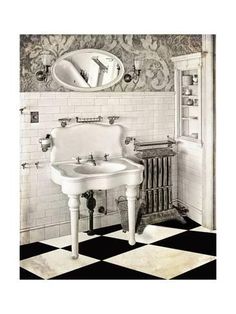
156,50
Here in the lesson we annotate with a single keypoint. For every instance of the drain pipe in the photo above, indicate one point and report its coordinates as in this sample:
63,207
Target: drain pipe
91,204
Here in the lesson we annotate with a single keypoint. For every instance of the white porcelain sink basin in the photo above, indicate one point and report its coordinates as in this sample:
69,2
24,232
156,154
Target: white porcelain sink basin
100,168
75,179
78,178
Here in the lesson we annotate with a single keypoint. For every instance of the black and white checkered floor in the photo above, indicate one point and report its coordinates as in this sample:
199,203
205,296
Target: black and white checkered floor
168,250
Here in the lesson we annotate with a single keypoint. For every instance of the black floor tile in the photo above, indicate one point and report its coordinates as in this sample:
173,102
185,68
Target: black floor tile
104,270
25,274
36,248
207,271
190,224
108,229
104,247
198,242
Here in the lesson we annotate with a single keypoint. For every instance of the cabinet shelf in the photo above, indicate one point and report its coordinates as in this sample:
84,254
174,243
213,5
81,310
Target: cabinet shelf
191,85
188,121
189,118
191,106
190,96
189,139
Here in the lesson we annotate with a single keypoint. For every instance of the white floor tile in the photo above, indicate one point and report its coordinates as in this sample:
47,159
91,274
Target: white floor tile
66,240
160,261
202,229
54,263
150,234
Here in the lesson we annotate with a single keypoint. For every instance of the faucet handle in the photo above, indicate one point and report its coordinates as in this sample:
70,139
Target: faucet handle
24,164
105,157
77,159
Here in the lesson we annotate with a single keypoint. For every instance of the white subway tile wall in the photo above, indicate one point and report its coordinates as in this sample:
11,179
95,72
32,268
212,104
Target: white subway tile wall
189,176
44,211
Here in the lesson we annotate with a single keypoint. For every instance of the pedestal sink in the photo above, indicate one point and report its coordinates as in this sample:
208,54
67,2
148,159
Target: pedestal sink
77,178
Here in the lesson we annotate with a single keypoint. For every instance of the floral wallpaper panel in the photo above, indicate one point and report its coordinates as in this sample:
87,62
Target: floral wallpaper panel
156,50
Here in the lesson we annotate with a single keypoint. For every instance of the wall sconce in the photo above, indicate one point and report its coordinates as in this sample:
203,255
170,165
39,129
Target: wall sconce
42,75
135,74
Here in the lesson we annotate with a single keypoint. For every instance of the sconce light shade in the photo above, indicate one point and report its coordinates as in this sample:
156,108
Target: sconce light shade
138,62
46,60
42,74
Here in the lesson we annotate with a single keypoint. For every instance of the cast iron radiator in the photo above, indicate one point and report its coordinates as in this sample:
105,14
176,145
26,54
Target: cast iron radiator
156,188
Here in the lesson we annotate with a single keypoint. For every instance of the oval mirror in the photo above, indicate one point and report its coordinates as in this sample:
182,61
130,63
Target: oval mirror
87,70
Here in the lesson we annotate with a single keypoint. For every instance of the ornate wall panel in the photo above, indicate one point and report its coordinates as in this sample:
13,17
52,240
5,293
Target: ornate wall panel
157,73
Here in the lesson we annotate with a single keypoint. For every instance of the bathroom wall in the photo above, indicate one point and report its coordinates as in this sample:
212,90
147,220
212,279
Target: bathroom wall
146,110
44,211
189,182
156,51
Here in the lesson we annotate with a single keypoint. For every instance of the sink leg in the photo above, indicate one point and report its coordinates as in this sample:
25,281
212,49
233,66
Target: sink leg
131,193
74,218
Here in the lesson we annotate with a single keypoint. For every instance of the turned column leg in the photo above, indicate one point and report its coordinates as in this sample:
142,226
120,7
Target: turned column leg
131,193
74,218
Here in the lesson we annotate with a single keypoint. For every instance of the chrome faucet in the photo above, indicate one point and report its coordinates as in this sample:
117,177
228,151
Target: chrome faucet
91,159
105,157
77,159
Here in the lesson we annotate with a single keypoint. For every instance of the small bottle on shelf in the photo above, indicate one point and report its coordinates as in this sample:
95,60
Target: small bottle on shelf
195,102
187,79
187,92
195,79
189,102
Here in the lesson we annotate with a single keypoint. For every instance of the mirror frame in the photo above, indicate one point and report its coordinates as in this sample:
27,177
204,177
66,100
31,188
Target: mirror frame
87,89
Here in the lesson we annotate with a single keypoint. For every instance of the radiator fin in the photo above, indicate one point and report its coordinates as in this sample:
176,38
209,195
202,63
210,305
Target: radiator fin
156,188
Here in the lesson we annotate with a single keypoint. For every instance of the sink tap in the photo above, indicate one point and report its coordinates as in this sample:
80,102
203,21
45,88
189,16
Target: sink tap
77,159
105,157
91,159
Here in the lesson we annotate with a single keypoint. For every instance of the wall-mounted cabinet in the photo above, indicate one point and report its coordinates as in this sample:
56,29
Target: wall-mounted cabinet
188,75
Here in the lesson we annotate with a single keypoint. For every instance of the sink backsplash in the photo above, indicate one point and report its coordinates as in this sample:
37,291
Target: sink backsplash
44,212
